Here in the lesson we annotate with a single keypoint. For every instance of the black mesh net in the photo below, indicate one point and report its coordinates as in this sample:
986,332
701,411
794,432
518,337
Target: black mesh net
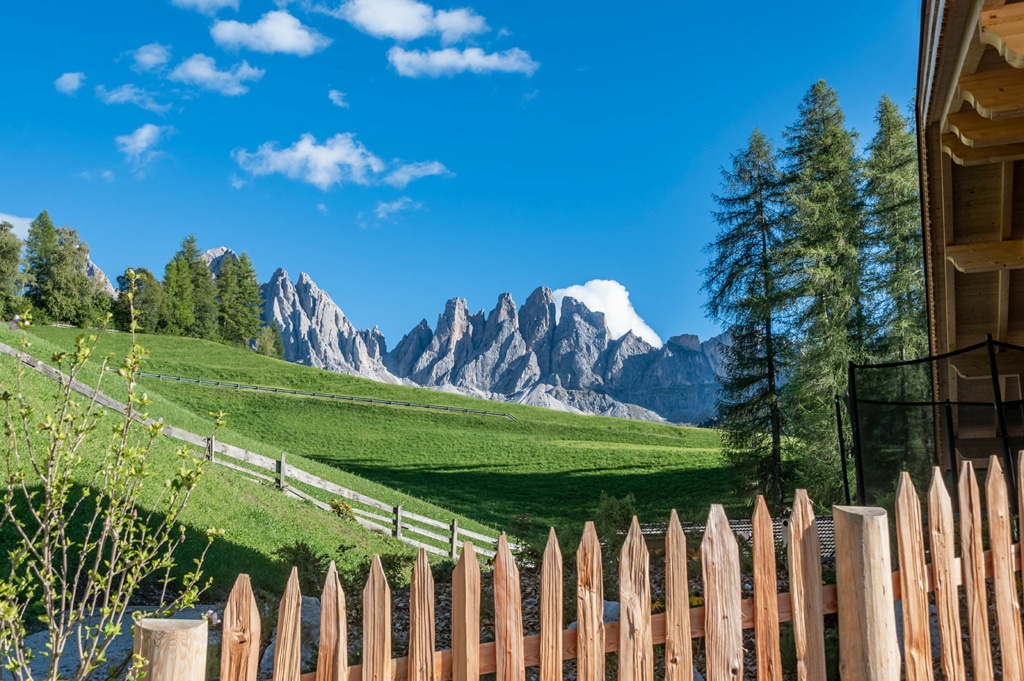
899,426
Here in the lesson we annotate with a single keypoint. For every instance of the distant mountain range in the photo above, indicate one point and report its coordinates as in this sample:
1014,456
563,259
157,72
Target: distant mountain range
527,355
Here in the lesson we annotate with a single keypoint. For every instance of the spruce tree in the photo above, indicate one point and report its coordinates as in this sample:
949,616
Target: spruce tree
268,341
148,302
894,209
177,314
227,294
73,298
204,292
249,300
826,244
11,278
40,253
742,283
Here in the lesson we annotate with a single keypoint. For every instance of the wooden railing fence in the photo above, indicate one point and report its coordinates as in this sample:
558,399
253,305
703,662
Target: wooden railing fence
866,599
325,396
430,534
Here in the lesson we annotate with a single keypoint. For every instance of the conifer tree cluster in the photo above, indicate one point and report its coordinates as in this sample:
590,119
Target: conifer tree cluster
818,262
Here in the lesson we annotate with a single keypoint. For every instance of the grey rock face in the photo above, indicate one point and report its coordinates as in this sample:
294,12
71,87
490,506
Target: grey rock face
99,279
215,257
517,355
315,332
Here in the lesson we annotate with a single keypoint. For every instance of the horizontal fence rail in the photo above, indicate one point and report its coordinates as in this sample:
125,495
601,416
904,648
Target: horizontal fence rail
435,536
866,597
326,396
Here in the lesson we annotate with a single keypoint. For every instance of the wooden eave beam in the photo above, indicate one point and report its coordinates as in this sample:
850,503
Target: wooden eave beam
974,130
995,94
1003,29
972,156
991,256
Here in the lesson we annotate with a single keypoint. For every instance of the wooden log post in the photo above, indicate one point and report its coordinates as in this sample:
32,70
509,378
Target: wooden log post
551,606
210,444
868,650
678,649
454,549
240,644
174,650
282,467
397,511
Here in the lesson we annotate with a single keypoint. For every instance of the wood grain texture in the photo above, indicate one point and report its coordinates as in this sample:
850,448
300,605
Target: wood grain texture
636,653
975,130
868,650
805,585
988,256
421,621
288,651
551,611
589,608
678,650
240,643
466,616
972,553
1003,29
508,616
973,156
995,94
1000,532
913,582
332,655
174,650
376,625
945,577
766,601
720,559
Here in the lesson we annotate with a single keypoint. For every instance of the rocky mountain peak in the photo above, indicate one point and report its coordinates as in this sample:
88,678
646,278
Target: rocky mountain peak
214,257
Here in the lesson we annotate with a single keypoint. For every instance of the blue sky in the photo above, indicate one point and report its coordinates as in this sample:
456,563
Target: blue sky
403,153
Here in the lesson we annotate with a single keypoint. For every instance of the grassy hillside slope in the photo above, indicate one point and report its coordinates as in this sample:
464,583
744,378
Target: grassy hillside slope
546,468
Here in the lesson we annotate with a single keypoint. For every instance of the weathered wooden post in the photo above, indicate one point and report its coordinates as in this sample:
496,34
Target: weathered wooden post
174,650
868,650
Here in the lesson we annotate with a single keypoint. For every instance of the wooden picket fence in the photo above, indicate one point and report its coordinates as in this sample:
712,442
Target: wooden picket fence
865,600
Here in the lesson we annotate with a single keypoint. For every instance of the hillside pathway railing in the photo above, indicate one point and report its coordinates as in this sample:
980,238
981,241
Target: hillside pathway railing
324,396
443,538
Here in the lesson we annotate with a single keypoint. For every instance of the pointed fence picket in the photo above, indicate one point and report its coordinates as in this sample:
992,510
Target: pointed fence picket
721,620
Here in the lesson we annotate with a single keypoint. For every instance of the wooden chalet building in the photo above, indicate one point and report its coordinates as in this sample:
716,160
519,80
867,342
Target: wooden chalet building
970,118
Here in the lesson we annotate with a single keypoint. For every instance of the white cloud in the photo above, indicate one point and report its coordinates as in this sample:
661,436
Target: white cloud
201,71
408,172
449,61
151,56
107,175
236,181
138,146
130,94
90,175
20,224
206,6
276,31
69,83
407,19
397,19
611,298
322,208
456,24
386,210
337,98
339,160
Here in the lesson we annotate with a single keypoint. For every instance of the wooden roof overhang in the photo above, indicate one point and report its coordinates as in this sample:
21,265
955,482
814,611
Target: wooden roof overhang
970,119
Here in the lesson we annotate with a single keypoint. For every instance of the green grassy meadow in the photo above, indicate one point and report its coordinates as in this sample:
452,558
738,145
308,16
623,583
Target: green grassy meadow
547,468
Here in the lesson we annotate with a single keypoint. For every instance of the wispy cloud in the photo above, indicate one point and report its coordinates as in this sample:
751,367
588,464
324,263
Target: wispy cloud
449,61
69,83
150,57
276,31
407,19
383,211
91,175
138,146
236,181
406,173
339,160
322,208
131,94
206,6
201,71
337,98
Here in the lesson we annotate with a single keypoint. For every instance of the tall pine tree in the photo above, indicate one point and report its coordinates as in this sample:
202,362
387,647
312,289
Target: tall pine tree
147,301
826,243
40,253
204,292
11,278
240,300
742,282
177,311
55,272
